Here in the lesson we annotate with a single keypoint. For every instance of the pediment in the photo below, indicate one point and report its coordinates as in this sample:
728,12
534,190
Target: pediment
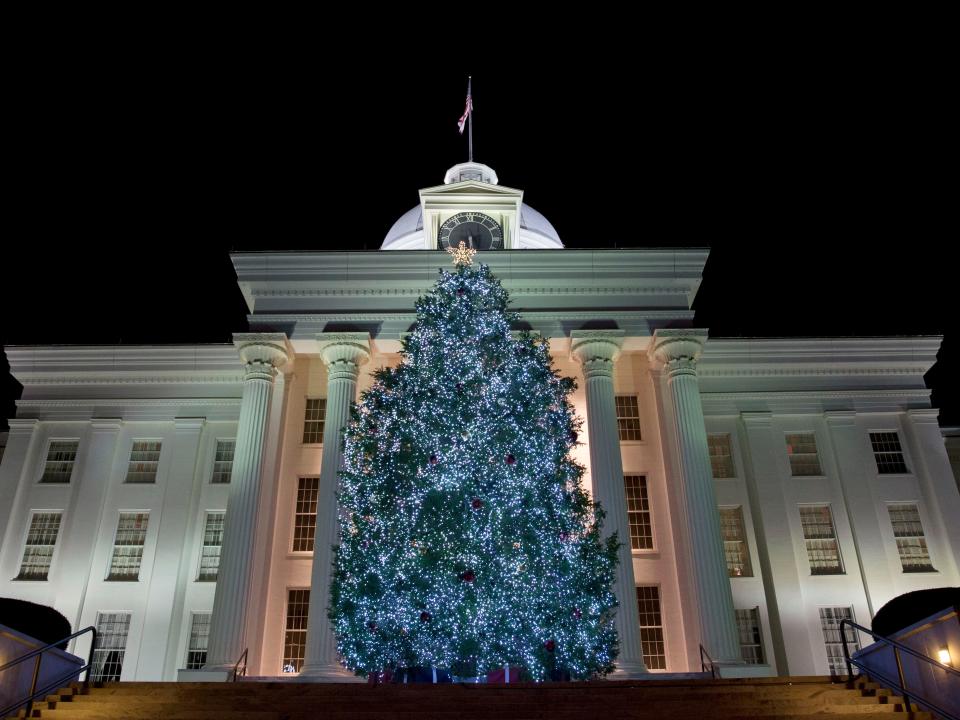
473,188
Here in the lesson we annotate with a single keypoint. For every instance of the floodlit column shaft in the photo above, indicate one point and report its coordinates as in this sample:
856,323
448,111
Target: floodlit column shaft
597,351
679,351
343,354
262,355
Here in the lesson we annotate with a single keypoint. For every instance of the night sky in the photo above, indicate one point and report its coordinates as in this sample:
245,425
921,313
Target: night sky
818,186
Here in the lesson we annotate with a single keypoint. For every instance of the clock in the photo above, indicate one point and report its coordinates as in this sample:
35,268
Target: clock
475,230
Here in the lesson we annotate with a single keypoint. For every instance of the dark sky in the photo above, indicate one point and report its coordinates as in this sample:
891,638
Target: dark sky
817,180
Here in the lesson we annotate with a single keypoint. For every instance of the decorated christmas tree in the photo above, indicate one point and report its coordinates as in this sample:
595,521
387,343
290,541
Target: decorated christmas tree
466,538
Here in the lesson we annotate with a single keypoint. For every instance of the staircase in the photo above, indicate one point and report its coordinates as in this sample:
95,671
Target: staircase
797,697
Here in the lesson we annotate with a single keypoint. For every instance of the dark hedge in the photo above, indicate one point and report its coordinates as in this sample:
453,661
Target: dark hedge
905,610
38,621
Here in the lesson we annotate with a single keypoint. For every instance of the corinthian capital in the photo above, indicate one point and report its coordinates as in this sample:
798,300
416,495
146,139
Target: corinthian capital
344,353
263,354
678,350
596,350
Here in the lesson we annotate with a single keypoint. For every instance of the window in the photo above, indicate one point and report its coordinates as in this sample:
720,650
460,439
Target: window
721,459
295,639
638,510
628,417
888,453
313,420
210,552
911,543
223,462
830,618
651,627
823,552
751,641
112,630
735,542
41,540
199,636
305,518
60,458
128,546
802,451
144,459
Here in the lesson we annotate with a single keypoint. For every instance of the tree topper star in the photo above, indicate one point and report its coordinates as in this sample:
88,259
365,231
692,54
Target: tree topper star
462,255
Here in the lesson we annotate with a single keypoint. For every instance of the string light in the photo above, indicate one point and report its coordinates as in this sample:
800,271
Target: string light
471,511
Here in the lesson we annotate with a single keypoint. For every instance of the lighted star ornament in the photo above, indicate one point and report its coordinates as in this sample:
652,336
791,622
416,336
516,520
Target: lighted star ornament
462,255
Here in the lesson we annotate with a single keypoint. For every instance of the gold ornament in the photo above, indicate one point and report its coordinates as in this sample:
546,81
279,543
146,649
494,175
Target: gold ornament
462,255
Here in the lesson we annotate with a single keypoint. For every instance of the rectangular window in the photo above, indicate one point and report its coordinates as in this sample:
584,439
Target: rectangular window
651,627
128,546
721,459
823,551
888,453
911,543
144,459
802,451
830,618
628,417
313,420
735,542
751,641
295,639
305,518
199,636
60,458
210,552
223,462
112,630
41,540
638,511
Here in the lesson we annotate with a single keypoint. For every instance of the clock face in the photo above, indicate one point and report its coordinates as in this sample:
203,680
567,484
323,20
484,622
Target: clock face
475,230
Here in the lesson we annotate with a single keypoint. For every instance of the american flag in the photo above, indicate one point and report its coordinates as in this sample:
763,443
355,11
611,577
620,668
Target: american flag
462,122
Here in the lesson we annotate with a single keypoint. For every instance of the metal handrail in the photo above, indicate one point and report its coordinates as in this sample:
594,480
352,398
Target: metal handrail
38,654
236,667
900,686
703,665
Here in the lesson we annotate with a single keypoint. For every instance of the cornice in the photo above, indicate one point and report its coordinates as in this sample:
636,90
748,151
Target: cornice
793,371
816,394
416,291
129,379
130,402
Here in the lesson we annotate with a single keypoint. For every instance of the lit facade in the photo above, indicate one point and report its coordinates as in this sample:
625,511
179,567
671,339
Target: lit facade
175,495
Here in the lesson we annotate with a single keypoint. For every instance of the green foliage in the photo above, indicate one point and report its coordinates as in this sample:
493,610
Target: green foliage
466,538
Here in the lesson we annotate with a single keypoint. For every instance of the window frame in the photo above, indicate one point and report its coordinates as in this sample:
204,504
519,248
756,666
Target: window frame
916,505
745,540
213,464
730,454
113,547
287,629
291,551
23,545
46,454
815,453
203,537
907,461
156,474
323,422
645,477
193,616
638,417
661,626
842,567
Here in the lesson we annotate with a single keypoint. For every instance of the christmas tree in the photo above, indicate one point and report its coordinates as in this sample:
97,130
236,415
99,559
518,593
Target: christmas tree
466,538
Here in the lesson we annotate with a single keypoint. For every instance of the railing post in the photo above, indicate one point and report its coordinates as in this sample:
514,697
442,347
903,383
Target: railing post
846,651
903,683
33,684
93,647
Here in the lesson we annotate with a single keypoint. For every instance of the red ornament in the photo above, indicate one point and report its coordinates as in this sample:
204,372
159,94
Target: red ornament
461,292
468,576
511,460
425,616
577,614
476,503
573,436
459,387
372,626
550,645
433,460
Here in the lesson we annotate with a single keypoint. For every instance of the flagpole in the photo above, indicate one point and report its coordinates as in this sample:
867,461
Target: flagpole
470,117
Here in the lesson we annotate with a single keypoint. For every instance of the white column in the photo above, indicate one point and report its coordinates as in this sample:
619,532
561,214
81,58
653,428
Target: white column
262,355
678,351
343,354
597,350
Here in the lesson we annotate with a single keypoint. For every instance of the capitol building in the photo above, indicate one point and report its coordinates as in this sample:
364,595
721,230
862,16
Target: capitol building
182,499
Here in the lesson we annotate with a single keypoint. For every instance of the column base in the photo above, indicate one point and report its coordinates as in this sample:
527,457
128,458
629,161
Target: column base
334,673
207,674
629,670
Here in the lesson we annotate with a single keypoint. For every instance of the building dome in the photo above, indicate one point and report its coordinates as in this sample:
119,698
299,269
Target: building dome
536,232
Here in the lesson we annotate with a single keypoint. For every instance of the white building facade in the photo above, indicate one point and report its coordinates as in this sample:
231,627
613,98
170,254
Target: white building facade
182,498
